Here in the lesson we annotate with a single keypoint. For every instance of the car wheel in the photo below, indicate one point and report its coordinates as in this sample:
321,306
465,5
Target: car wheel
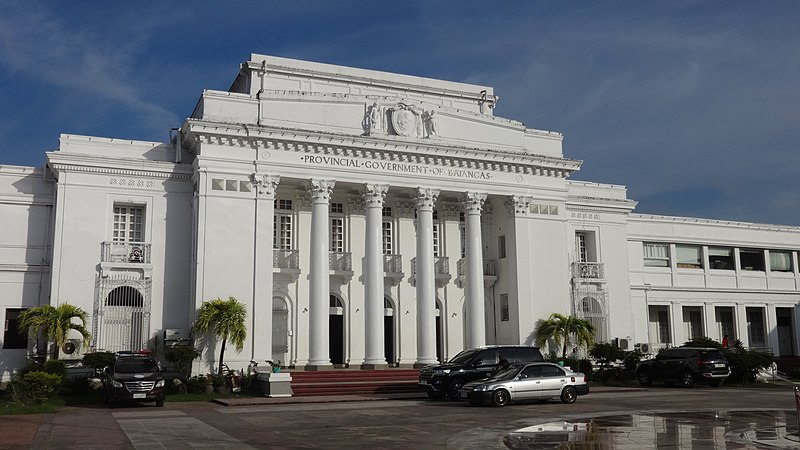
500,397
569,395
687,379
644,378
714,383
453,392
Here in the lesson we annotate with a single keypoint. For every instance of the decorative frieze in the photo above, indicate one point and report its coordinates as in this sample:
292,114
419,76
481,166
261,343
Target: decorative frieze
130,182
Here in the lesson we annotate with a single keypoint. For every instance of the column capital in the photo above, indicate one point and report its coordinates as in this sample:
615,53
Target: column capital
473,202
426,197
265,185
518,205
374,194
320,190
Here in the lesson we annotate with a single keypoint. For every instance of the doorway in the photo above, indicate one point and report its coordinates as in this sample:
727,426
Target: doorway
785,333
388,331
336,331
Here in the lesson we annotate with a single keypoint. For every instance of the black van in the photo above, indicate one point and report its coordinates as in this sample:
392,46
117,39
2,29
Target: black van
470,365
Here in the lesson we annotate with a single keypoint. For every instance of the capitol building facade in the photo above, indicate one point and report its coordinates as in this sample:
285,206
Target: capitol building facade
368,219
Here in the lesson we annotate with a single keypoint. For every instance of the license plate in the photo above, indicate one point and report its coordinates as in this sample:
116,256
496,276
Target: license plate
719,365
139,395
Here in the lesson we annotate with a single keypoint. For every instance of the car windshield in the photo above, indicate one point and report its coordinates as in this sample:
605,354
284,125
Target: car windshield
136,365
710,354
464,357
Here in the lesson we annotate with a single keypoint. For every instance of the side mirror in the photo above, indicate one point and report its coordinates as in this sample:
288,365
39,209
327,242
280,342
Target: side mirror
477,362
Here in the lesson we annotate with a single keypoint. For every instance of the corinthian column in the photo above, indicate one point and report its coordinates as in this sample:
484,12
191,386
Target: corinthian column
374,358
319,289
261,326
426,281
476,323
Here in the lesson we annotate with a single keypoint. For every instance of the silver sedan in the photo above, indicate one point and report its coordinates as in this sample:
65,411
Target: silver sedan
534,381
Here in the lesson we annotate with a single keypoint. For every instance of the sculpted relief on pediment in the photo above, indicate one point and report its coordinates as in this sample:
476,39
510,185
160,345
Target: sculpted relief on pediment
400,119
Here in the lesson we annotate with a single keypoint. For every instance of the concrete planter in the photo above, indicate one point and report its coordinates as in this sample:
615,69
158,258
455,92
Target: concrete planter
274,384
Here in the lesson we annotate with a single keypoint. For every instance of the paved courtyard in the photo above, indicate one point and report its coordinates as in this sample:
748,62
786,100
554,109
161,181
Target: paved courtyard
657,417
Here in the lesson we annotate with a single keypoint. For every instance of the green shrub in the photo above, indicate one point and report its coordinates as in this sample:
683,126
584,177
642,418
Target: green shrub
745,364
99,360
585,367
182,356
55,367
34,387
197,384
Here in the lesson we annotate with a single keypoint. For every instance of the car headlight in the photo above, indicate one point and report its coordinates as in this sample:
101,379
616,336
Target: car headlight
482,387
116,384
441,371
160,383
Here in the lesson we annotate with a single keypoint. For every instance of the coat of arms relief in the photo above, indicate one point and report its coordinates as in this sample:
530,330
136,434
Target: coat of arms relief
400,119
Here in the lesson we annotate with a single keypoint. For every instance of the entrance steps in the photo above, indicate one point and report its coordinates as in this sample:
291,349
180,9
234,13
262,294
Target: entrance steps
354,382
788,364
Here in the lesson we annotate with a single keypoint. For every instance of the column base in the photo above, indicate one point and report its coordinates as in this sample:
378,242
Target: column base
369,366
314,367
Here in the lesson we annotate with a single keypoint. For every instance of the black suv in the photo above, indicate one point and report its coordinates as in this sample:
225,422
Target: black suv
470,365
685,365
134,377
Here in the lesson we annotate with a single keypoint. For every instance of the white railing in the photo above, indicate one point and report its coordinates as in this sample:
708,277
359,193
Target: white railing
286,259
392,264
588,270
489,267
441,265
340,261
125,252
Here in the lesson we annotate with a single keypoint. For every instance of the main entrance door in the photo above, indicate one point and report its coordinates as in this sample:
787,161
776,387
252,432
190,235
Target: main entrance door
388,331
336,331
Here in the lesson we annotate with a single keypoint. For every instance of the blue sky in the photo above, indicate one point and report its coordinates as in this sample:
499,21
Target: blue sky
693,105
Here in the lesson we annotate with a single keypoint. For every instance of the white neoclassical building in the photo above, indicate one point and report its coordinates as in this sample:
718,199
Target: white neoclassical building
368,219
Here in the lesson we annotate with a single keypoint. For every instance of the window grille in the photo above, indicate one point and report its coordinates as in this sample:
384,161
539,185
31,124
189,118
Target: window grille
386,237
122,312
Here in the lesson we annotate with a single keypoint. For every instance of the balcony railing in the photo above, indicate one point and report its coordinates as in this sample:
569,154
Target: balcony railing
125,252
340,261
392,264
286,259
489,267
441,265
589,270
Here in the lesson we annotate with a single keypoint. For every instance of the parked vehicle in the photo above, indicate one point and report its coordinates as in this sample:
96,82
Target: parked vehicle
470,365
685,366
134,377
536,381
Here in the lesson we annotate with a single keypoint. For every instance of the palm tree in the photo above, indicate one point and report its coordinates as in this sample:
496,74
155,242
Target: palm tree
227,319
559,328
55,322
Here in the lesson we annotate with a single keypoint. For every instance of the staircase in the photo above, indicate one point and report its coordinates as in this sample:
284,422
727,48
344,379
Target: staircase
354,382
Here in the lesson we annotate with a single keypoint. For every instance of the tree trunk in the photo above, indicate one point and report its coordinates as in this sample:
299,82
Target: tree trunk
221,354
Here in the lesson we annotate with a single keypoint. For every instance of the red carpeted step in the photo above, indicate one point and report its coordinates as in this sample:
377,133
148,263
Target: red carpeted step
354,382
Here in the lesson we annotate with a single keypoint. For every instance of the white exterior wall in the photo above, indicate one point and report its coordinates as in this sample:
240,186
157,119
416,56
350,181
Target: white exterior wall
302,121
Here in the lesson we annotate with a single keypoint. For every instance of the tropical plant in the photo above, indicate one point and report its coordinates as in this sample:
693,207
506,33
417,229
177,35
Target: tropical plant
561,329
226,318
55,322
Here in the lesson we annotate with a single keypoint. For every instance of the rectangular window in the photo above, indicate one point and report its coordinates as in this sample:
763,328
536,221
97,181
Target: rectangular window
282,237
501,246
386,211
664,335
751,259
504,316
720,258
337,208
128,223
656,255
283,205
688,256
386,238
337,234
12,336
580,246
462,232
693,321
780,261
436,239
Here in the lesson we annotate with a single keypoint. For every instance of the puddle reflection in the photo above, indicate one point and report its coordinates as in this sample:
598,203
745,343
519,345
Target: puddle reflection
685,430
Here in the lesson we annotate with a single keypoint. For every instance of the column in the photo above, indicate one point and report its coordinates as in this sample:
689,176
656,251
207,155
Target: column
473,291
426,279
261,326
374,357
319,281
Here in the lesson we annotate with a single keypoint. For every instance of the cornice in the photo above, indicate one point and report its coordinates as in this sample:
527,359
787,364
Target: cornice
600,204
726,223
394,150
121,166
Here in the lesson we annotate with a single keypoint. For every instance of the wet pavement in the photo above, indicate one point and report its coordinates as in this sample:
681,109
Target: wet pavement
657,417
